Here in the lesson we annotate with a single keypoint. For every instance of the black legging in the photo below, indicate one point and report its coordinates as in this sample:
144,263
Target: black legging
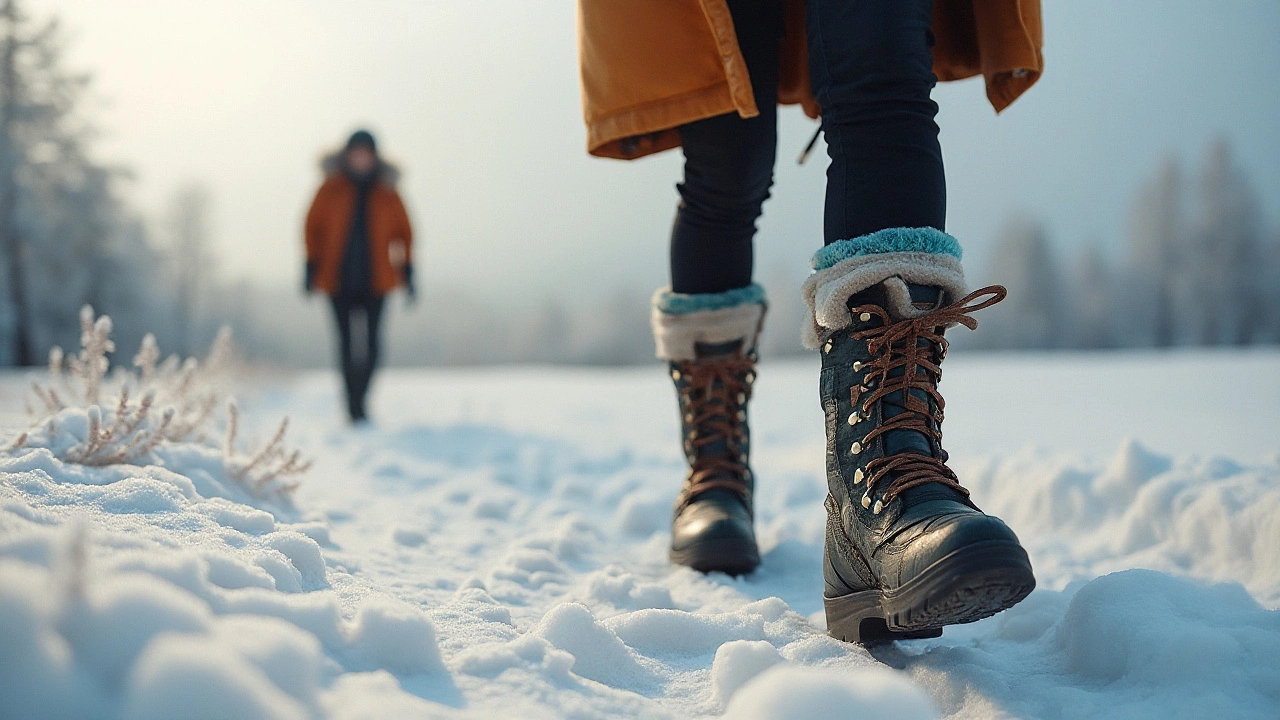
870,63
357,371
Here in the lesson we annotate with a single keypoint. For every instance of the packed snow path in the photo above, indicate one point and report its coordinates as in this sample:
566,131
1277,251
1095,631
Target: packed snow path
494,546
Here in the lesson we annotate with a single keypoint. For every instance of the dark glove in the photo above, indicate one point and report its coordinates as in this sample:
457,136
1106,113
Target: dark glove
309,278
406,272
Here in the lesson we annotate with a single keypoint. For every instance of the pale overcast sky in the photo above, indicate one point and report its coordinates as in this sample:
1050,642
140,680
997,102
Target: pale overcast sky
478,99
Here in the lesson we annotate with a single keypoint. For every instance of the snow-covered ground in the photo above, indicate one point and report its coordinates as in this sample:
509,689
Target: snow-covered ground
494,546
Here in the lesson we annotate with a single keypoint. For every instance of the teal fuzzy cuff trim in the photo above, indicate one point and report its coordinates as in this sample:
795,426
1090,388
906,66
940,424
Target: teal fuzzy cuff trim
673,303
890,240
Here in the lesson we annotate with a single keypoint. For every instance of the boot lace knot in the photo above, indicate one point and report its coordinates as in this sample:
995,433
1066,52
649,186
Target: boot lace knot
896,344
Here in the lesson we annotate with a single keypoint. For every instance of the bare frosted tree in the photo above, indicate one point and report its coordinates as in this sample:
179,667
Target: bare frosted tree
12,160
188,233
1225,249
1035,313
1157,255
1093,299
66,238
1270,273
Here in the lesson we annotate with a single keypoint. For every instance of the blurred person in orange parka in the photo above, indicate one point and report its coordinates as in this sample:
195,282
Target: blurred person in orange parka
359,248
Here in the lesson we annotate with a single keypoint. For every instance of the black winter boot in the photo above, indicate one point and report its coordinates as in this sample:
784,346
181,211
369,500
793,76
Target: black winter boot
907,551
712,528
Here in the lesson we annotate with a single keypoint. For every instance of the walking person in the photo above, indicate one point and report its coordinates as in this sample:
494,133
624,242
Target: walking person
907,551
359,248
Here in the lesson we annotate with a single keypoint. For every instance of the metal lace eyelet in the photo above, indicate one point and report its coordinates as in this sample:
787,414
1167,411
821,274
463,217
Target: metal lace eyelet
854,418
864,317
866,501
688,418
857,365
857,448
742,397
751,377
742,415
675,375
826,348
878,507
857,476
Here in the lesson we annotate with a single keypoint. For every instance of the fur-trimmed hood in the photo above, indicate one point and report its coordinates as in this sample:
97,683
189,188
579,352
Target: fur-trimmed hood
388,172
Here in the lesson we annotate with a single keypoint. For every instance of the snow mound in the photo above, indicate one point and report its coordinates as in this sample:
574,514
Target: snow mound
1137,643
1146,628
787,692
737,662
160,602
598,653
148,647
1204,517
396,637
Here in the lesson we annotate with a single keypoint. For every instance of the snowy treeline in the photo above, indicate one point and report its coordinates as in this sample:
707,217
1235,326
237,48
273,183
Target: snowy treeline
68,237
1200,268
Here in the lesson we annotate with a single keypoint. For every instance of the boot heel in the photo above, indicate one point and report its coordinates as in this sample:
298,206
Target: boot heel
859,618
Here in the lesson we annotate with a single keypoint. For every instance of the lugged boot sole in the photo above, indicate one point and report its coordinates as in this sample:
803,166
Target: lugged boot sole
730,556
970,584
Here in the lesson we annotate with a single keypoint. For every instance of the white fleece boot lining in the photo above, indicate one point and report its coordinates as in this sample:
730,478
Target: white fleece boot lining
827,291
676,335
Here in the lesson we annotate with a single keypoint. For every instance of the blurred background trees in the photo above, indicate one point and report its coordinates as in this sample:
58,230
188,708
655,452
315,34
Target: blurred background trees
1200,268
67,236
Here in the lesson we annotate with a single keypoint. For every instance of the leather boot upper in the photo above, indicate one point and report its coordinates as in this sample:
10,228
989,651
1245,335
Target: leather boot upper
895,507
713,391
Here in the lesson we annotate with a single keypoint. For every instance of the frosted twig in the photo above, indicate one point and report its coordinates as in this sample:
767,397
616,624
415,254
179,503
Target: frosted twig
221,352
17,442
233,427
269,451
145,360
92,364
55,363
48,396
93,440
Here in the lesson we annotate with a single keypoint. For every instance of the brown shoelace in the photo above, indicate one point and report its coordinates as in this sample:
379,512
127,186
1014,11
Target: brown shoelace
896,344
712,400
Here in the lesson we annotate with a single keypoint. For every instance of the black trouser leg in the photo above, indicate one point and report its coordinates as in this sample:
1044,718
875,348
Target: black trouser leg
728,168
871,66
358,358
342,311
372,311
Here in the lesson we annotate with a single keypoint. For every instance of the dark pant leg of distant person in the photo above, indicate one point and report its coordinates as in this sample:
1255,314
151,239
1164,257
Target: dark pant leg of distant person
358,355
907,551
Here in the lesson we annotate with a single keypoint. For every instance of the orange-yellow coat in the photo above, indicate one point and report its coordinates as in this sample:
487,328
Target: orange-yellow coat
649,66
328,221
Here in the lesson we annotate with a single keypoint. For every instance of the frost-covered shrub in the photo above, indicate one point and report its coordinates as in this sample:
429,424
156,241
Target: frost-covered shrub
153,403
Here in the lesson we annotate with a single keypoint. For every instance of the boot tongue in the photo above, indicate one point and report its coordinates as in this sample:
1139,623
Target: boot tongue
718,351
923,297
